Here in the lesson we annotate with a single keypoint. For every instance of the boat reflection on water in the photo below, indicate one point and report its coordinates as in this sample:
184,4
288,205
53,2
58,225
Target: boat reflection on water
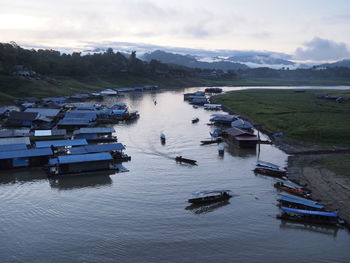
240,152
76,182
22,175
206,208
322,229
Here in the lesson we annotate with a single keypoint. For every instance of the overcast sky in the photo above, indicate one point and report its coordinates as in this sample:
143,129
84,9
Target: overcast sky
308,29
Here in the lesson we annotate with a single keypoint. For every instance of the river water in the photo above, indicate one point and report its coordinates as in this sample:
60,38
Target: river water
141,215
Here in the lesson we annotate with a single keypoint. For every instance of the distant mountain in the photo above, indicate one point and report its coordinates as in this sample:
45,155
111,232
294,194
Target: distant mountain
342,63
191,61
261,59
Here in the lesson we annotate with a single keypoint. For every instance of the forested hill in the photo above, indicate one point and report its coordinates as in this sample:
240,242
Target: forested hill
52,63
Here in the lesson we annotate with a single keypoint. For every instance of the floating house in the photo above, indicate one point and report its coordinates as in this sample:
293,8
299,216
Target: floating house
213,90
115,149
96,134
198,100
242,138
242,124
42,135
223,119
24,158
71,124
15,133
46,112
212,106
81,163
14,140
22,119
60,143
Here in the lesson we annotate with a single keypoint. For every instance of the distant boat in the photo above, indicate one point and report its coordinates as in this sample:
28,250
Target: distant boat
195,120
185,160
162,138
206,197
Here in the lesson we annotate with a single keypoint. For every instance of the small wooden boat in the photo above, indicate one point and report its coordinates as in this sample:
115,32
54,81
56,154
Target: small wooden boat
299,204
266,168
180,159
206,197
292,190
195,120
218,140
310,216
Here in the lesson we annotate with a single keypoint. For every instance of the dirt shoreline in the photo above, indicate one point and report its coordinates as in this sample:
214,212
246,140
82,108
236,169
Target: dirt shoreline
328,188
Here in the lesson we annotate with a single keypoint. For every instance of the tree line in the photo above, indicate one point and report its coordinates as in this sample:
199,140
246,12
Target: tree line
109,63
115,64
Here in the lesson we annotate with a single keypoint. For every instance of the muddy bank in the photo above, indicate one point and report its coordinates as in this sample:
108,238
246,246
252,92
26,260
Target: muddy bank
330,189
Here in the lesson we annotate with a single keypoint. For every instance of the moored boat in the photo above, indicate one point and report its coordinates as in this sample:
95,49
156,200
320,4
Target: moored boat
185,160
299,204
292,190
266,168
206,197
310,216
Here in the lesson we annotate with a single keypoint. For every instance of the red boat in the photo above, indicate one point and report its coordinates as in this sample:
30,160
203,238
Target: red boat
292,190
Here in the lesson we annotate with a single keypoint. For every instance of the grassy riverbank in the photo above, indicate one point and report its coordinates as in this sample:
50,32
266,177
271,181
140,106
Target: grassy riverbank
300,116
18,87
12,87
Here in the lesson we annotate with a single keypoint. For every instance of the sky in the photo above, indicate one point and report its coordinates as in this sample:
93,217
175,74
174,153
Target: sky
314,30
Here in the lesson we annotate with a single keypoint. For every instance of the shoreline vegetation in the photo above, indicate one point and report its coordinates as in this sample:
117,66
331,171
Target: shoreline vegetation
315,134
15,87
48,73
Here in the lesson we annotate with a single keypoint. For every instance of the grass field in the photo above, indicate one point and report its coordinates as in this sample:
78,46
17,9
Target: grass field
299,116
338,165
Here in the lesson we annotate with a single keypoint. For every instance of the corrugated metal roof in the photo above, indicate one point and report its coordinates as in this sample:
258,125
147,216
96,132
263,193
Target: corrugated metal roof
15,140
61,143
97,148
50,132
12,147
237,132
95,130
23,116
15,133
69,122
26,153
44,111
81,114
82,158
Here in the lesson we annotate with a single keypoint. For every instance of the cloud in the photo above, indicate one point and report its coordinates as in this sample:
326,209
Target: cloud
319,49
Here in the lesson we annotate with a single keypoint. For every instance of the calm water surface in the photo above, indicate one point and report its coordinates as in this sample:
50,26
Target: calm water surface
141,216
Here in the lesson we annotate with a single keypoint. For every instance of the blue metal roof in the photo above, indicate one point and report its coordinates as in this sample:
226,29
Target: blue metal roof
13,147
296,201
94,130
309,212
97,148
60,143
83,158
69,122
26,153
